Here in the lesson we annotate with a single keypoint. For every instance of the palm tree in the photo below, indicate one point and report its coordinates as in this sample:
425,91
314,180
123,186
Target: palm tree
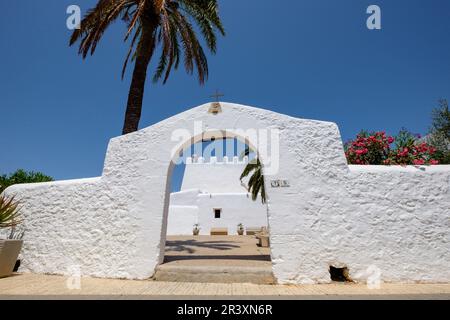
150,24
255,184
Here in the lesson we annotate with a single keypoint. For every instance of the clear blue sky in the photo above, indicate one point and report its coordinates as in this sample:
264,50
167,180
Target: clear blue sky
306,58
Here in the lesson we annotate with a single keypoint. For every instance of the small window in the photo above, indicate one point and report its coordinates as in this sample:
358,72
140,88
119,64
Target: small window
217,213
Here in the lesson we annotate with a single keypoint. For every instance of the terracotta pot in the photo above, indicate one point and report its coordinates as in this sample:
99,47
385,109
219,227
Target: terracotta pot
9,252
240,232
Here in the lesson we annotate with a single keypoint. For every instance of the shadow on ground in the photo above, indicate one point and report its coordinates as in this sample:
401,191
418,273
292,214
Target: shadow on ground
215,251
210,257
187,245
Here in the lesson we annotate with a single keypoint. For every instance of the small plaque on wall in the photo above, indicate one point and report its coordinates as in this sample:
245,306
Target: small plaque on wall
215,108
280,184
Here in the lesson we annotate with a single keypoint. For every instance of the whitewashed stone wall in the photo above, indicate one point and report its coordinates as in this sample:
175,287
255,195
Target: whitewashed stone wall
396,219
391,220
181,220
236,208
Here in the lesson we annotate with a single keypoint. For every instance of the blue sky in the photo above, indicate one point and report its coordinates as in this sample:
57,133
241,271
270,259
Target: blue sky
306,58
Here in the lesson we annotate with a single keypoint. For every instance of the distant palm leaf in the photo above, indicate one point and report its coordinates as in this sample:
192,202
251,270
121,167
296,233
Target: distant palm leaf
255,184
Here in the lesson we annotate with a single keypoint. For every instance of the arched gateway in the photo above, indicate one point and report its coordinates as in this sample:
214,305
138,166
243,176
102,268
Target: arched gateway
390,222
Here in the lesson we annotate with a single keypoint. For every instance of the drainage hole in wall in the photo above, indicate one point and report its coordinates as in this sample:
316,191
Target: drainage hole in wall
339,274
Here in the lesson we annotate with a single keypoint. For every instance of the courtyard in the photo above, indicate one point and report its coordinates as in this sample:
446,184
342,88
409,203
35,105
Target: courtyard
219,259
237,251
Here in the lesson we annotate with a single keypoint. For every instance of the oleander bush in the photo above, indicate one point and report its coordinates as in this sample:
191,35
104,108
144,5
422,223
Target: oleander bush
377,148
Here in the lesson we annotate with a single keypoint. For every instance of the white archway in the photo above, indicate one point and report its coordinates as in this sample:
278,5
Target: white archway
322,212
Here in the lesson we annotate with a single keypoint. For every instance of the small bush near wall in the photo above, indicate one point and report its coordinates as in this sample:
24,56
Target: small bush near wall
22,176
439,135
376,148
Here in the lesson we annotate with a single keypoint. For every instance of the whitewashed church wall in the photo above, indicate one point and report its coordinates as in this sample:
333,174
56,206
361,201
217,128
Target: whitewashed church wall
184,198
181,220
213,177
236,208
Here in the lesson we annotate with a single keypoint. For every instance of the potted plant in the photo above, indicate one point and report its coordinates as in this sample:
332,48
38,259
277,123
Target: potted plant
10,247
196,230
240,229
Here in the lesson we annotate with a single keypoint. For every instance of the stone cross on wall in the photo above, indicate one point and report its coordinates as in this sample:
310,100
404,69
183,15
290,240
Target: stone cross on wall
217,95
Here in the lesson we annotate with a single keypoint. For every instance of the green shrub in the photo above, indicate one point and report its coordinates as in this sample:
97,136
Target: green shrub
439,136
22,176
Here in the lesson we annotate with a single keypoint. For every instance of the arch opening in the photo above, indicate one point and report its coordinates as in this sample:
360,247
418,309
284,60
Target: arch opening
212,229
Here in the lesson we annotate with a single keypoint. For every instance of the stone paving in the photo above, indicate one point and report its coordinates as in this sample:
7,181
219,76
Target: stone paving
216,251
215,259
233,252
46,286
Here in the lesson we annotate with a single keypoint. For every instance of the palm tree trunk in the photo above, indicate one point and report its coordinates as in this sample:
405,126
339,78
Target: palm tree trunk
136,93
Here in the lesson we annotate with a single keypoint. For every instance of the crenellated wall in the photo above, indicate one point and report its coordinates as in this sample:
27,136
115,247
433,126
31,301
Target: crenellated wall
214,176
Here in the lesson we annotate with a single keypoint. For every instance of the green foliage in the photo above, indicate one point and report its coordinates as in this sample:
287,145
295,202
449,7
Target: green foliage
22,176
9,212
443,156
368,148
439,136
405,139
441,119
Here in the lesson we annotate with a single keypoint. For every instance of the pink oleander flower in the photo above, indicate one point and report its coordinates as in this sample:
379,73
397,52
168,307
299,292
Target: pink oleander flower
362,151
434,162
419,162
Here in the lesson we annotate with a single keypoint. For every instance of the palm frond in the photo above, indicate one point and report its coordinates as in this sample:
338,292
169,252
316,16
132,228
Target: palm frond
255,184
170,18
130,51
9,212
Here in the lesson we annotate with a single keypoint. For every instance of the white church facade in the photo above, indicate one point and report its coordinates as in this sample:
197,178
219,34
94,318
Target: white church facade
213,196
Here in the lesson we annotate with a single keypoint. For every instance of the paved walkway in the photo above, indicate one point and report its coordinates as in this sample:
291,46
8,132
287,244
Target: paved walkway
45,286
216,251
206,252
215,259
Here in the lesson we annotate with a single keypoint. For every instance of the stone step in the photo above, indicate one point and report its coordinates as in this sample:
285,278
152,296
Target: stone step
214,274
